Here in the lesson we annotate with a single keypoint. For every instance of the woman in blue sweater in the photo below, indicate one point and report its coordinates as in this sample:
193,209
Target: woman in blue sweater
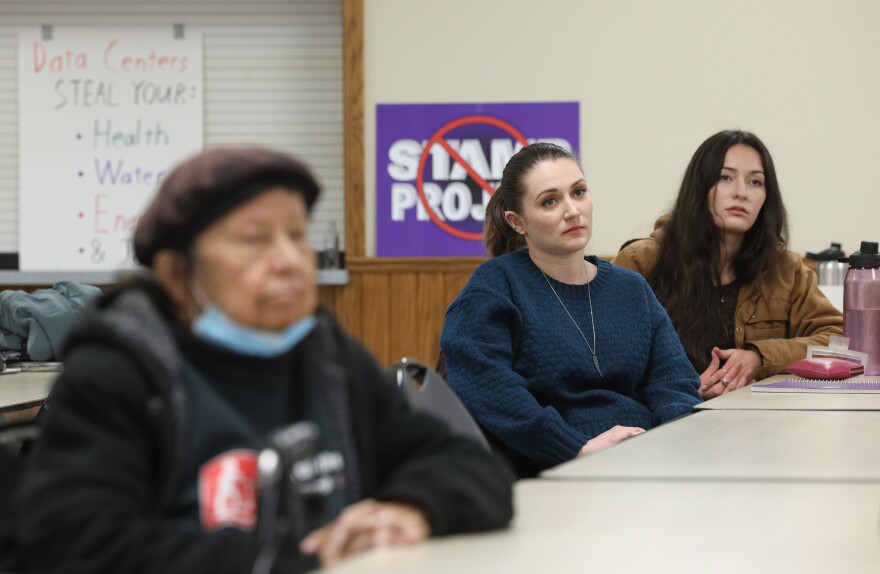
559,355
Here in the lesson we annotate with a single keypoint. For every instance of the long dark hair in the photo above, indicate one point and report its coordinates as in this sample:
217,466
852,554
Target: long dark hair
688,268
498,235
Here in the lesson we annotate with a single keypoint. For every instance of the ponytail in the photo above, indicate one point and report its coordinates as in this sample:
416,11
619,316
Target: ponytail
498,235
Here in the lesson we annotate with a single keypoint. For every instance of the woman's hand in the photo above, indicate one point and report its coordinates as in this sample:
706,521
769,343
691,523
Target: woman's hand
740,368
362,526
713,379
608,438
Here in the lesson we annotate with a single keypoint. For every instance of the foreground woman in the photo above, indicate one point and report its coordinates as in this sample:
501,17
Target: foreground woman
148,460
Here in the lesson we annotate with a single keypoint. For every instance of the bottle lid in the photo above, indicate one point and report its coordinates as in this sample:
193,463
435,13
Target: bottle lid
865,258
833,253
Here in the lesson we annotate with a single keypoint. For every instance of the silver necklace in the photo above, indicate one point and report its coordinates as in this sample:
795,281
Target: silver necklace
592,321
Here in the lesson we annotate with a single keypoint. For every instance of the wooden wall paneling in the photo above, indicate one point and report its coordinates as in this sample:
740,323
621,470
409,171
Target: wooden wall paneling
353,106
327,295
407,264
430,312
347,306
375,305
403,321
453,283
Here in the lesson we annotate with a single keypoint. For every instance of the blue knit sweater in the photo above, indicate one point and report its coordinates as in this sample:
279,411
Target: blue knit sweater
519,364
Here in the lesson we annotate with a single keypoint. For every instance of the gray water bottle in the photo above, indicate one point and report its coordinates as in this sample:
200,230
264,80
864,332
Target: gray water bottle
829,269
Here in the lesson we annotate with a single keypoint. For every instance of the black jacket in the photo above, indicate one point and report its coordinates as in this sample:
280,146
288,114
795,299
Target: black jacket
93,495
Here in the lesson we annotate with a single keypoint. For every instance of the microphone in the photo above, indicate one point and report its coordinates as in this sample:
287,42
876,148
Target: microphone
285,447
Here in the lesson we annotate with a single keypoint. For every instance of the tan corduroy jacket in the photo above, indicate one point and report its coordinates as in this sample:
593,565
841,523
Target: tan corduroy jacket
778,318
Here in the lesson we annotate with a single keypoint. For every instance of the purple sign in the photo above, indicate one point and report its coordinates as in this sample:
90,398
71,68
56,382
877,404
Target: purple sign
437,165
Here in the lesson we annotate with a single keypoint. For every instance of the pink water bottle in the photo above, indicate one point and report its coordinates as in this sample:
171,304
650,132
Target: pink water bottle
861,304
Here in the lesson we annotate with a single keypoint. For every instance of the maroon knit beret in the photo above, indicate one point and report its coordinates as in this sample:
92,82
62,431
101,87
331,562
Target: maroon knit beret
209,185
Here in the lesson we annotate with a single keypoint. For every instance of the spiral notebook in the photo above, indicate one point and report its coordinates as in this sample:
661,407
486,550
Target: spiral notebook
817,386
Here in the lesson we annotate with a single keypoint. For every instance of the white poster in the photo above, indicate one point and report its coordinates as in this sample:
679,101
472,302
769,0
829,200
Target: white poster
104,113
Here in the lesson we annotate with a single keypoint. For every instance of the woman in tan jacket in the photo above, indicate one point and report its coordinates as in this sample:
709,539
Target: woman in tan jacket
744,307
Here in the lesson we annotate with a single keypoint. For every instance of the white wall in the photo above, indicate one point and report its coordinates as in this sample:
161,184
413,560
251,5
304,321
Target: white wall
654,79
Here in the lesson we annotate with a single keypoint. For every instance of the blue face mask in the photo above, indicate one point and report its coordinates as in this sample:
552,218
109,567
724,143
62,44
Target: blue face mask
215,326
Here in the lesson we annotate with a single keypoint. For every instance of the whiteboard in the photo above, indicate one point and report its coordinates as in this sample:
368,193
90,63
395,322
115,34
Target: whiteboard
104,114
272,77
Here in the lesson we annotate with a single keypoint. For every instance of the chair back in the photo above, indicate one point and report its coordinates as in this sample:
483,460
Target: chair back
428,392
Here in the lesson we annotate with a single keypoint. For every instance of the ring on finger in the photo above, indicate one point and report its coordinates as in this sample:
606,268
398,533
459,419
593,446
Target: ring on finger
724,382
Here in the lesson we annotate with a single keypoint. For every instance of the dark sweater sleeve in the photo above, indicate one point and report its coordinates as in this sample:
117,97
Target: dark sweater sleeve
478,340
671,386
416,459
88,498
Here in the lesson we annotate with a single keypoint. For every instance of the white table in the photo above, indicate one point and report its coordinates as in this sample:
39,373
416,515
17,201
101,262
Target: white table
578,527
746,399
23,391
811,446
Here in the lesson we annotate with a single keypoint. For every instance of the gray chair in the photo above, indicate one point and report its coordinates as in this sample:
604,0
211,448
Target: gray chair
517,466
428,392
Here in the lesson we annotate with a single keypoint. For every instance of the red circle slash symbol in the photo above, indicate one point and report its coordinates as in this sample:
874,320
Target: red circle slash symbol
438,139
